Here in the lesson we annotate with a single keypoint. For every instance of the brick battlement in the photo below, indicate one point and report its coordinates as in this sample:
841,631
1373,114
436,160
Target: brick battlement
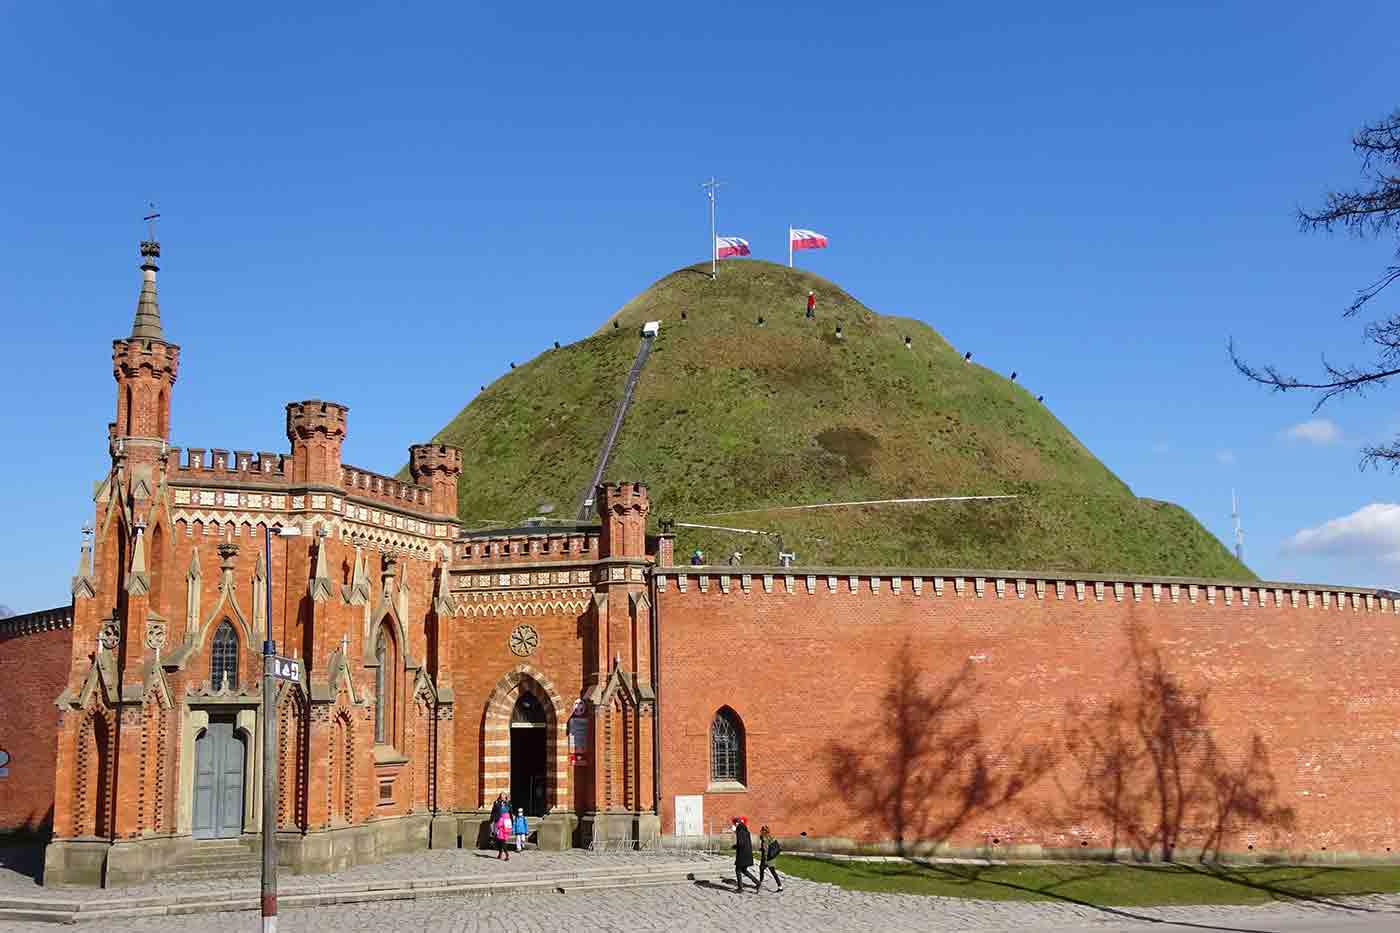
368,485
1003,584
263,466
524,547
315,416
45,620
132,355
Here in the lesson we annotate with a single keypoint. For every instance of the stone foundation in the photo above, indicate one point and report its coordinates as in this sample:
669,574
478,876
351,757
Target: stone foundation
97,863
620,829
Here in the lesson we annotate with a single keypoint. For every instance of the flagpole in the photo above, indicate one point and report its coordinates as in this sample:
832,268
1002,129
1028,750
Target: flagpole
789,247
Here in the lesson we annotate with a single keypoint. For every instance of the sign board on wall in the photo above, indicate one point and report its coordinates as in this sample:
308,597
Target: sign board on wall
690,815
4,763
578,734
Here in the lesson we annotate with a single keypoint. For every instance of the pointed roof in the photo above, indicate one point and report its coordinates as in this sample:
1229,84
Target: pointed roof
147,323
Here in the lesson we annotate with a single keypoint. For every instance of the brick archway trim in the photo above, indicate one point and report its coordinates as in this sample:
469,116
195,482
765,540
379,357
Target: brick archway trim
495,771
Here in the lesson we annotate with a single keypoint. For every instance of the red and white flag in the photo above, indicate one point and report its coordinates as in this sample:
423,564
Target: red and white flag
806,239
727,246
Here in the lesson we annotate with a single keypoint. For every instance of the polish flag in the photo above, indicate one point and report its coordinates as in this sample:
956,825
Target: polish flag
806,239
727,246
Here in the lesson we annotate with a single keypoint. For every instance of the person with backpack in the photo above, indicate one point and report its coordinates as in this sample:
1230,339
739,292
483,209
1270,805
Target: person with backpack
768,850
504,829
743,854
522,829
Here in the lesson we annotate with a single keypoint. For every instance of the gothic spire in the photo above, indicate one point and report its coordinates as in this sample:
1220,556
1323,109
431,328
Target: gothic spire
147,323
83,586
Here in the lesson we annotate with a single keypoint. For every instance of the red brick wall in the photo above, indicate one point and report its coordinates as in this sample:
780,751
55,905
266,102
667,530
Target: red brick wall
1039,720
481,657
33,672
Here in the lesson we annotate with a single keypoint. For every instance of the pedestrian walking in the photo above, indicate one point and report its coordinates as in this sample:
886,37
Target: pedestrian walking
768,850
743,854
811,305
736,559
504,828
697,558
522,829
497,806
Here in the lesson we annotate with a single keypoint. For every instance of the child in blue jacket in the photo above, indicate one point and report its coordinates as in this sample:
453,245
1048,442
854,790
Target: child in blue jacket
522,829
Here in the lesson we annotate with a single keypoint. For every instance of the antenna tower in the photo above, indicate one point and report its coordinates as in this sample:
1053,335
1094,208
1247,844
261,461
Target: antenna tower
1239,529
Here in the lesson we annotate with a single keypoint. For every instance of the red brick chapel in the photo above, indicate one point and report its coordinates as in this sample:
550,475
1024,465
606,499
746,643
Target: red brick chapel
618,697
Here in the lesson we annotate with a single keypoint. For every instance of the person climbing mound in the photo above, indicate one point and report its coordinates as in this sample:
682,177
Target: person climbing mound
811,305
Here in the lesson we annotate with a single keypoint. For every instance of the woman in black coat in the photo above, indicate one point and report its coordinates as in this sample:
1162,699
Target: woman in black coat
743,855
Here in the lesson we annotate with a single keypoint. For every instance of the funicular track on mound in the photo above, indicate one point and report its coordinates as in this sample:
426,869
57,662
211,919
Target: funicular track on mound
586,509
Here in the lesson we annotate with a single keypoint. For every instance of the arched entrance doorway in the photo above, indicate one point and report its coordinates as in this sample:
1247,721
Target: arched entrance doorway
529,776
513,759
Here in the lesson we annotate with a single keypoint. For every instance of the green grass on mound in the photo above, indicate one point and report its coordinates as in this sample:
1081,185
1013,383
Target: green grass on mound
731,414
1114,884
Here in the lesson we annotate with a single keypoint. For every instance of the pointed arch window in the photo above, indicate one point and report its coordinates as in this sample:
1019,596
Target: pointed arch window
385,685
726,747
223,657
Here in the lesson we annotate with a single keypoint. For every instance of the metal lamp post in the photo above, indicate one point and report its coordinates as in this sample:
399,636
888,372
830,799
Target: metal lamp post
269,755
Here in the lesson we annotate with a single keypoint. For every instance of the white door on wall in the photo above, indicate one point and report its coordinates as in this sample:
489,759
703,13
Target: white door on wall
690,815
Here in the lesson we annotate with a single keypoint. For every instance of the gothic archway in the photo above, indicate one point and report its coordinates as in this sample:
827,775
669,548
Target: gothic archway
496,736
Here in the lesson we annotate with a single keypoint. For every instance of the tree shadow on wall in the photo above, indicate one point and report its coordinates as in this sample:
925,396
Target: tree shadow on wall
924,769
1149,767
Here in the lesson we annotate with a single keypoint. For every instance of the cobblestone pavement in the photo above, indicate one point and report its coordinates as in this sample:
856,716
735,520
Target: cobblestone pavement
803,907
18,869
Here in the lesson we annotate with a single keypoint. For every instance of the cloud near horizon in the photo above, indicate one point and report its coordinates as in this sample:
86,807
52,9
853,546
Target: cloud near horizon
1371,531
1319,431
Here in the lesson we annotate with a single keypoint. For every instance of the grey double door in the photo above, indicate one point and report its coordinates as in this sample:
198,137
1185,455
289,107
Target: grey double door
219,758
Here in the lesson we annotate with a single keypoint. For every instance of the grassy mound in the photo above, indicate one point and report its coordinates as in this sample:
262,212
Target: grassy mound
731,414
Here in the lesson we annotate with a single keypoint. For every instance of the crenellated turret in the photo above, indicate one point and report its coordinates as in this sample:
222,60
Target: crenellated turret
623,507
437,466
317,431
145,367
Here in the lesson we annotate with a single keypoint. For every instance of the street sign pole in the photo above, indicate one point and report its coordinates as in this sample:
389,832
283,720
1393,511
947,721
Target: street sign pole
269,760
273,668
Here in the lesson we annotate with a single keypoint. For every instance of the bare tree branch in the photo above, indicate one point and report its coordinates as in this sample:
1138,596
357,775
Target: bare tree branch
1369,211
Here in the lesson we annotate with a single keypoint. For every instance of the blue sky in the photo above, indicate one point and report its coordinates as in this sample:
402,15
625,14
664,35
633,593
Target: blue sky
385,205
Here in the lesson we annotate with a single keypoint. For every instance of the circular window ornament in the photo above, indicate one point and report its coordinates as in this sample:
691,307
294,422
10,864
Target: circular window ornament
524,640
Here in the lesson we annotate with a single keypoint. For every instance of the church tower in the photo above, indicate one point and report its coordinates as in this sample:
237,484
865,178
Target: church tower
144,365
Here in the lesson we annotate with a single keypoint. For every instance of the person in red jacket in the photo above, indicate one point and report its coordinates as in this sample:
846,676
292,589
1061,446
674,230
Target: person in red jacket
811,305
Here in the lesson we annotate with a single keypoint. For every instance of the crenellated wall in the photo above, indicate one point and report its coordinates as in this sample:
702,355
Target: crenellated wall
1041,713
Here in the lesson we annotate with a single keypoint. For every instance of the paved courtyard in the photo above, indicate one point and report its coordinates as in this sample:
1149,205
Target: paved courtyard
705,905
803,907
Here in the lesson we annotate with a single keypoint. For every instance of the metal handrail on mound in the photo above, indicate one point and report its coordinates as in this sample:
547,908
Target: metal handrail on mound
586,505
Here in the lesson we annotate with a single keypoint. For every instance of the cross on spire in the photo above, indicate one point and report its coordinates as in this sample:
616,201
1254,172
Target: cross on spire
147,323
150,220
